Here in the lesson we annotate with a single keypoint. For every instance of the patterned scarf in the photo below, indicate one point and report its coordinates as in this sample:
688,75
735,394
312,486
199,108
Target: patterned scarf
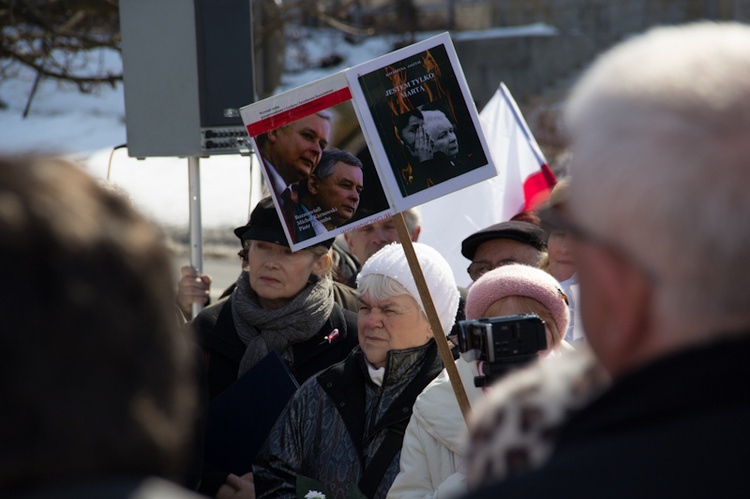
263,330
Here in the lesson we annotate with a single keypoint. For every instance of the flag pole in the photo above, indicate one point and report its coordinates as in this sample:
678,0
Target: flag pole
432,316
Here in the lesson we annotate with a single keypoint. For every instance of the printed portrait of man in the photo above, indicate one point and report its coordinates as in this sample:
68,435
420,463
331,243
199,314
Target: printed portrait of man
330,195
442,133
290,153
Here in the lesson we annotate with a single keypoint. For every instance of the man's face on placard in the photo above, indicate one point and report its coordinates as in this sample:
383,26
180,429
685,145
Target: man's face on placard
295,149
442,133
340,192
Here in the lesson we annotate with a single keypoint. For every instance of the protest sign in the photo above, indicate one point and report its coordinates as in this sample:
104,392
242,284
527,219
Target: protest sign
422,140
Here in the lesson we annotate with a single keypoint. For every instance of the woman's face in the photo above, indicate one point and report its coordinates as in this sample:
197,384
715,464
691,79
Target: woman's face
395,323
559,249
409,132
277,275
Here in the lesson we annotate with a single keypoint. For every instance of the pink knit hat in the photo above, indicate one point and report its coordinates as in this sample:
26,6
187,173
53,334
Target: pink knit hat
518,280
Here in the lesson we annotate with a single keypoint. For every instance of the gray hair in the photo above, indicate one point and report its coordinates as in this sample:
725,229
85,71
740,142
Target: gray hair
381,287
325,114
413,218
660,128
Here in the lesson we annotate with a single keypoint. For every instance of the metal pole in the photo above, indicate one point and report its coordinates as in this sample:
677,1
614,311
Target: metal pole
196,234
451,14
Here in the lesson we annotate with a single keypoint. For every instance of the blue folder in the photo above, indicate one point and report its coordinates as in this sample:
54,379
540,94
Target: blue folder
241,417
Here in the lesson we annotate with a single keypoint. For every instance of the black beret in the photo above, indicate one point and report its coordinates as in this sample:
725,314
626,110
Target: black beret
524,232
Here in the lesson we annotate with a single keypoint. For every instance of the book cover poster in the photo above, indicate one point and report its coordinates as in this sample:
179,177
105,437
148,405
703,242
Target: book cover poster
322,178
420,107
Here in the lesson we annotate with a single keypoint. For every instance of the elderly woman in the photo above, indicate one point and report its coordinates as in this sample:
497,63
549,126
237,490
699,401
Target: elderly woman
342,430
435,439
283,302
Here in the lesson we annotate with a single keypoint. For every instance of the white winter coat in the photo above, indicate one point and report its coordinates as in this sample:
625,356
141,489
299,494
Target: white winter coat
435,440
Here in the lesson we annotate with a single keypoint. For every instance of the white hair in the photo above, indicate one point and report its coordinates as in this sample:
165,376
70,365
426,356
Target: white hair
381,287
412,218
661,164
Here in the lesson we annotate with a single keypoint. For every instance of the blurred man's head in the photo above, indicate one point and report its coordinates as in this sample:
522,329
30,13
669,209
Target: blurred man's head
294,149
334,186
659,200
503,244
366,241
95,376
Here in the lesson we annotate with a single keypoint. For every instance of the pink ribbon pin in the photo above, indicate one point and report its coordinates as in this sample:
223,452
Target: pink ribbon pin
332,336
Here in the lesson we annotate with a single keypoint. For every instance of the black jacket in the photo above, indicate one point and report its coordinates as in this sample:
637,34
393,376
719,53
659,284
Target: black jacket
679,427
333,428
223,350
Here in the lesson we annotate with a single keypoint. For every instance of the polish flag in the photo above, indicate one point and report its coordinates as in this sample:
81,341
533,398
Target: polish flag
524,179
523,182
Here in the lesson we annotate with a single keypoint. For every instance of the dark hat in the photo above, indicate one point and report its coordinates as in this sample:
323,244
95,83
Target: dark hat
264,225
523,232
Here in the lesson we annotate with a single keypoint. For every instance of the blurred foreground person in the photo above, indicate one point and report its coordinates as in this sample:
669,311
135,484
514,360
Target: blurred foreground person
342,431
659,208
435,441
97,391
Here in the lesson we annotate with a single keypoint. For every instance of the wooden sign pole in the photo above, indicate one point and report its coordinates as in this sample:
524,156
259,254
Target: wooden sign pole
432,316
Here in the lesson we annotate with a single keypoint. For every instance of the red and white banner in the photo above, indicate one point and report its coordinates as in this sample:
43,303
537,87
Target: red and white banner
523,182
523,173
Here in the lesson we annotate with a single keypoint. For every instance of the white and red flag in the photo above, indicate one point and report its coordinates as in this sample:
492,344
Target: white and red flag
523,174
523,182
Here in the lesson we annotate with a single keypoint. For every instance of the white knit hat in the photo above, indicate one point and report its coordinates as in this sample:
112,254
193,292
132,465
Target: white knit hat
390,261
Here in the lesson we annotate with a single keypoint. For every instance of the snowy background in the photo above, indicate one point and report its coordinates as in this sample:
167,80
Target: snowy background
90,126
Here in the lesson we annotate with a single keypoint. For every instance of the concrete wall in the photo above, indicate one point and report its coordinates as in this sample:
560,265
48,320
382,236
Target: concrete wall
526,63
607,21
530,63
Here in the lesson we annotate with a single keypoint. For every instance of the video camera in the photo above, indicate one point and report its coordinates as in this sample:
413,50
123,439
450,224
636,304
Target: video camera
501,343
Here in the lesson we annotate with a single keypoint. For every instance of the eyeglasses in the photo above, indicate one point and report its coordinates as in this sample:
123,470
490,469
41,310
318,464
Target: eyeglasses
478,269
552,218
